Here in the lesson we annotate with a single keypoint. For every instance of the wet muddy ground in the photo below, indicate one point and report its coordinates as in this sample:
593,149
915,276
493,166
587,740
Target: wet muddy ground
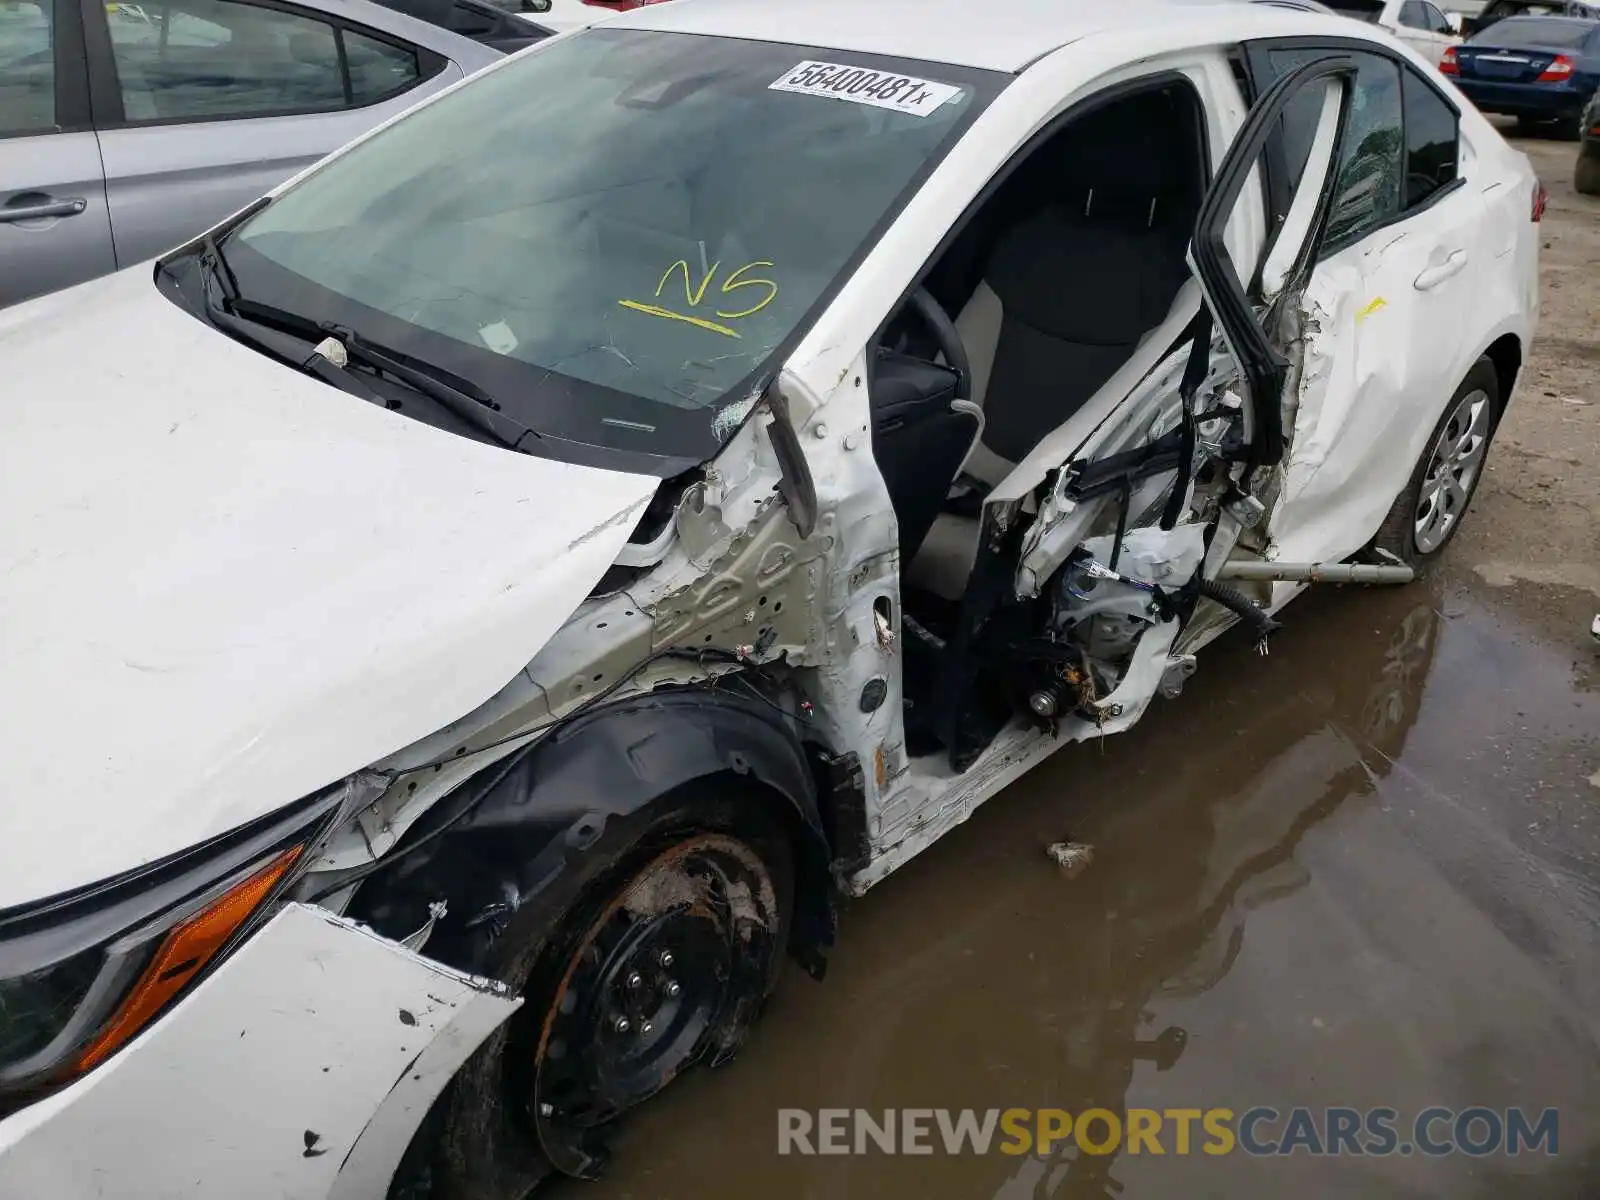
1363,871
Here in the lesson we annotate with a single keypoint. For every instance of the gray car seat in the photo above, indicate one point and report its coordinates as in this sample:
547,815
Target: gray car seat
1067,295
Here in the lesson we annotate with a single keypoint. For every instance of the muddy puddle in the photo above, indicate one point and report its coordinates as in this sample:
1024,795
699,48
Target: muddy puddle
1363,871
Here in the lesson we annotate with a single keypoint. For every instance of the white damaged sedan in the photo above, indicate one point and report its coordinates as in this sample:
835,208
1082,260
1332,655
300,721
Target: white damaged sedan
464,619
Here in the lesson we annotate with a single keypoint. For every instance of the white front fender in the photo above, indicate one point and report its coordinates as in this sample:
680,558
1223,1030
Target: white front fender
300,1069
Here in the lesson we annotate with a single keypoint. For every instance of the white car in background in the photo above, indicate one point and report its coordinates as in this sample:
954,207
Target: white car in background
467,615
565,15
1421,24
558,15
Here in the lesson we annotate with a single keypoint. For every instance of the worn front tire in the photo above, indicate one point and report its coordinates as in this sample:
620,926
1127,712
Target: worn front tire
1428,512
654,953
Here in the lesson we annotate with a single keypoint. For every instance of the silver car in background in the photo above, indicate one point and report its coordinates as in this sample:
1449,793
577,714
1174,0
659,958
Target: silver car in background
127,128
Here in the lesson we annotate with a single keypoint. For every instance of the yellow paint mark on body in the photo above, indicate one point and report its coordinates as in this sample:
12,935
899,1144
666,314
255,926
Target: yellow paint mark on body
655,310
1377,303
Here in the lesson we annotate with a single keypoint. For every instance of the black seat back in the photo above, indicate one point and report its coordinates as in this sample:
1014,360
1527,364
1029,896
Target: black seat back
1076,297
1090,260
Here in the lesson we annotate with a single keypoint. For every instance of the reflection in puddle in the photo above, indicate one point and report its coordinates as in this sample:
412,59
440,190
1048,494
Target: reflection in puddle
1359,872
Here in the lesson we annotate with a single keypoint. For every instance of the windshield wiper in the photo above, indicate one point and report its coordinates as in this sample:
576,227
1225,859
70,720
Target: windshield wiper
448,391
219,313
235,314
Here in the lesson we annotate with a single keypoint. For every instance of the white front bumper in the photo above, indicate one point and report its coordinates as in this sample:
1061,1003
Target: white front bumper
299,1069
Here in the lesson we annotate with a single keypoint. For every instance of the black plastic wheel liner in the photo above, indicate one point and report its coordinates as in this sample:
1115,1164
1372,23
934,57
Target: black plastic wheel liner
549,807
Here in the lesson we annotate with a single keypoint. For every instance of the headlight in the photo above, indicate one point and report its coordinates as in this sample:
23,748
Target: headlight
82,974
36,1007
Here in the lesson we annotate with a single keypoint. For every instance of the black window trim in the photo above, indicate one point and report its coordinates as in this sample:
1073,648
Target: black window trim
105,87
71,81
1275,181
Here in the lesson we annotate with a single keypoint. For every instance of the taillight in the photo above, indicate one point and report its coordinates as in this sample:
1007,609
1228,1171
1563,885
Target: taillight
1540,199
1448,64
1560,69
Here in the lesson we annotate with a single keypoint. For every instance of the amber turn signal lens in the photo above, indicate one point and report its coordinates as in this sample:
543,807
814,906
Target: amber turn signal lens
183,952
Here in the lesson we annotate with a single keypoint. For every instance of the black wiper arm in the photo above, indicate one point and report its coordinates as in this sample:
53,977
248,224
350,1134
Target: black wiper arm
457,395
217,266
247,329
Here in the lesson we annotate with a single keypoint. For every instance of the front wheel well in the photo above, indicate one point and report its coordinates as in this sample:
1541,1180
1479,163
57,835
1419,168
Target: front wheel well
544,811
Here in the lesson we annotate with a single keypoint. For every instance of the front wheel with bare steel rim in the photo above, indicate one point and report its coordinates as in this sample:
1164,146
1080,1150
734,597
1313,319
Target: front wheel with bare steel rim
657,956
1426,515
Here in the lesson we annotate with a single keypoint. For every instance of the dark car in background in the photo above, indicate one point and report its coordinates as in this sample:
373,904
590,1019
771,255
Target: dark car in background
488,24
1586,174
1541,70
1499,10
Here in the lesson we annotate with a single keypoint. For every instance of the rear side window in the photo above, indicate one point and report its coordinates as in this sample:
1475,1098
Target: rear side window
1368,192
1400,147
27,67
378,69
1418,14
1535,33
207,60
1437,22
1432,138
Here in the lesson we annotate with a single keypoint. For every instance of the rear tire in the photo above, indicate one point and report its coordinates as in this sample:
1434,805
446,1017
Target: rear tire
655,952
1586,175
1428,512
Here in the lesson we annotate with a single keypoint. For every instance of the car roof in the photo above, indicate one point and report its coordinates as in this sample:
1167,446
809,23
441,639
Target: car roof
996,35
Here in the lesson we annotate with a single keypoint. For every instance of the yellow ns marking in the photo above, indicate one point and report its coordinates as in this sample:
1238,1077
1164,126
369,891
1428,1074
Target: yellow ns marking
735,281
690,292
698,322
1366,312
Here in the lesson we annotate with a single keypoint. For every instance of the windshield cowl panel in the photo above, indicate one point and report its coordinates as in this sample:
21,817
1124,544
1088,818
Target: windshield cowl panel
617,236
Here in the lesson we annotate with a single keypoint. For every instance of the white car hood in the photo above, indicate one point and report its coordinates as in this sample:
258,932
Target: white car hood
224,585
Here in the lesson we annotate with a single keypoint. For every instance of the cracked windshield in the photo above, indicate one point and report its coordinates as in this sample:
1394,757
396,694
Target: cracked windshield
653,226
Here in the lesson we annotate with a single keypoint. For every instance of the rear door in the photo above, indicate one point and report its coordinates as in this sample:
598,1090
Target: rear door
1399,295
204,105
54,229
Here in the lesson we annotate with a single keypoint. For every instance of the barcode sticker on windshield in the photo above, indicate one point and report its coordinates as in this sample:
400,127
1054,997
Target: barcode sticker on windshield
881,89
